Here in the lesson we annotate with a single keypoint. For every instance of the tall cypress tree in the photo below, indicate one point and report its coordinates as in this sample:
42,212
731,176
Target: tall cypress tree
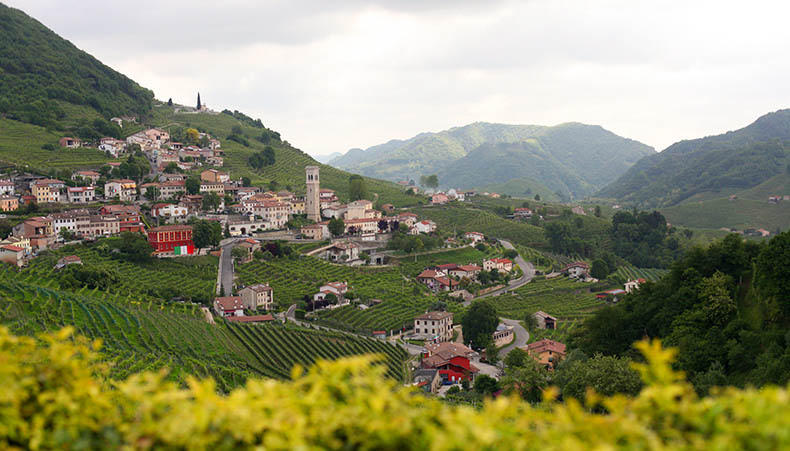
198,106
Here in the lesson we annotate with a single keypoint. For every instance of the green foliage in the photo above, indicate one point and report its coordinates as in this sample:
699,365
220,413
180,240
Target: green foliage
643,239
357,188
599,269
336,226
605,374
479,322
192,185
352,406
429,181
264,158
206,233
78,276
134,247
210,202
43,71
710,309
734,160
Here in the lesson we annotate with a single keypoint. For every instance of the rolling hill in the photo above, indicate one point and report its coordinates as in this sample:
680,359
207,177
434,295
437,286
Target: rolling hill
572,160
709,167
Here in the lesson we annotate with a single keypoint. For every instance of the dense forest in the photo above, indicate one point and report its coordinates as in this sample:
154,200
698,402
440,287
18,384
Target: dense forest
40,70
725,307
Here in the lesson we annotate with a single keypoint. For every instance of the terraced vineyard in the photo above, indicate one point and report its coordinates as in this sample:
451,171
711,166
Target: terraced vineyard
412,266
626,273
465,219
189,277
292,279
140,335
569,301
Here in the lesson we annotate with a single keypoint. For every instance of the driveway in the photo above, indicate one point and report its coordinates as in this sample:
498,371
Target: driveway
226,267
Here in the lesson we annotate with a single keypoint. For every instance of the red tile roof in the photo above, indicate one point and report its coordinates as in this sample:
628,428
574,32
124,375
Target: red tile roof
544,345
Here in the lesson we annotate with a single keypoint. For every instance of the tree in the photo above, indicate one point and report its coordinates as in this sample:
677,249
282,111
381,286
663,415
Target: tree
266,157
537,197
356,187
479,322
192,185
198,102
527,381
486,385
530,322
152,193
239,253
336,226
170,102
517,358
245,181
606,375
331,298
597,211
599,269
210,202
172,168
135,247
192,136
206,233
432,181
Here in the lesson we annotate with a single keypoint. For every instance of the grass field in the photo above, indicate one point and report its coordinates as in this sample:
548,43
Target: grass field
139,334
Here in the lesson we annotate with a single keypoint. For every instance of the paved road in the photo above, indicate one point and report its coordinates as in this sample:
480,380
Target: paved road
527,269
226,267
522,336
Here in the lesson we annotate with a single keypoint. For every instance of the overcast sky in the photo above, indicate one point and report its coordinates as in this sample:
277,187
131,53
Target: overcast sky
334,74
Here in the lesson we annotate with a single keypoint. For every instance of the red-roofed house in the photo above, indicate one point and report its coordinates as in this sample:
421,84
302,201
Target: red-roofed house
425,226
633,285
439,199
452,361
13,255
229,306
468,271
579,270
71,143
474,237
546,352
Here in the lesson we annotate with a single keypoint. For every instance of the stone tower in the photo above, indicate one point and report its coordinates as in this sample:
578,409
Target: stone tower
313,202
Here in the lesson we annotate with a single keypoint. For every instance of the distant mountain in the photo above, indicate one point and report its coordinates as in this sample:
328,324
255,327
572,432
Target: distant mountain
693,169
327,158
40,73
572,159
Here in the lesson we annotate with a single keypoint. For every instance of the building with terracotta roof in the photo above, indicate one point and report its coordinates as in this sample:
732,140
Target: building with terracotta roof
452,360
469,271
69,142
9,203
47,190
341,251
227,306
81,194
545,321
546,352
124,189
13,255
579,270
434,326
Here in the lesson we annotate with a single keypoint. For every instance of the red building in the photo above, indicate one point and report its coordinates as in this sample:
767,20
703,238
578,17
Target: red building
176,239
452,361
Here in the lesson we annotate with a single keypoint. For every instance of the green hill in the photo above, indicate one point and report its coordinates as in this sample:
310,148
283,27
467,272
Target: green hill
40,73
571,159
705,167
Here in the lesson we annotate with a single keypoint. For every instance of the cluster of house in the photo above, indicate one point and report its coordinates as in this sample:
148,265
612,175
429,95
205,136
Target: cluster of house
254,297
777,199
441,198
158,147
446,277
749,232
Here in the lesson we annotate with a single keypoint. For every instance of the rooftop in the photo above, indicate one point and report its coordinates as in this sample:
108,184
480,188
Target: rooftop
435,315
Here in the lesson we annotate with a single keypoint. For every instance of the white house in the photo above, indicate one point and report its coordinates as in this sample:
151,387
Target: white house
437,326
500,264
633,285
474,237
425,226
339,289
577,270
170,213
6,188
125,190
342,252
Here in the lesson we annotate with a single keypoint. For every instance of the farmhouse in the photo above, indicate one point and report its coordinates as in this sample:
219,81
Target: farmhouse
452,360
342,252
546,352
437,280
339,289
173,240
522,213
633,285
435,326
227,306
214,176
425,226
407,218
257,297
545,321
6,188
169,213
68,260
71,143
474,237
12,255
439,199
500,264
577,270
468,271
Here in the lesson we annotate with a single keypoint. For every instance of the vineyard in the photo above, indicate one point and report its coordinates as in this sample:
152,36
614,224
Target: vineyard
626,273
188,277
139,335
412,266
292,279
465,219
567,300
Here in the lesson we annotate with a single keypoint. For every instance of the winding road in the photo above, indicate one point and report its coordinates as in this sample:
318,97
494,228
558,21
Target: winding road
226,267
527,269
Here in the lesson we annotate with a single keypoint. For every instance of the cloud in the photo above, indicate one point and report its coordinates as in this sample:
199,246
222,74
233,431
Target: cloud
331,75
